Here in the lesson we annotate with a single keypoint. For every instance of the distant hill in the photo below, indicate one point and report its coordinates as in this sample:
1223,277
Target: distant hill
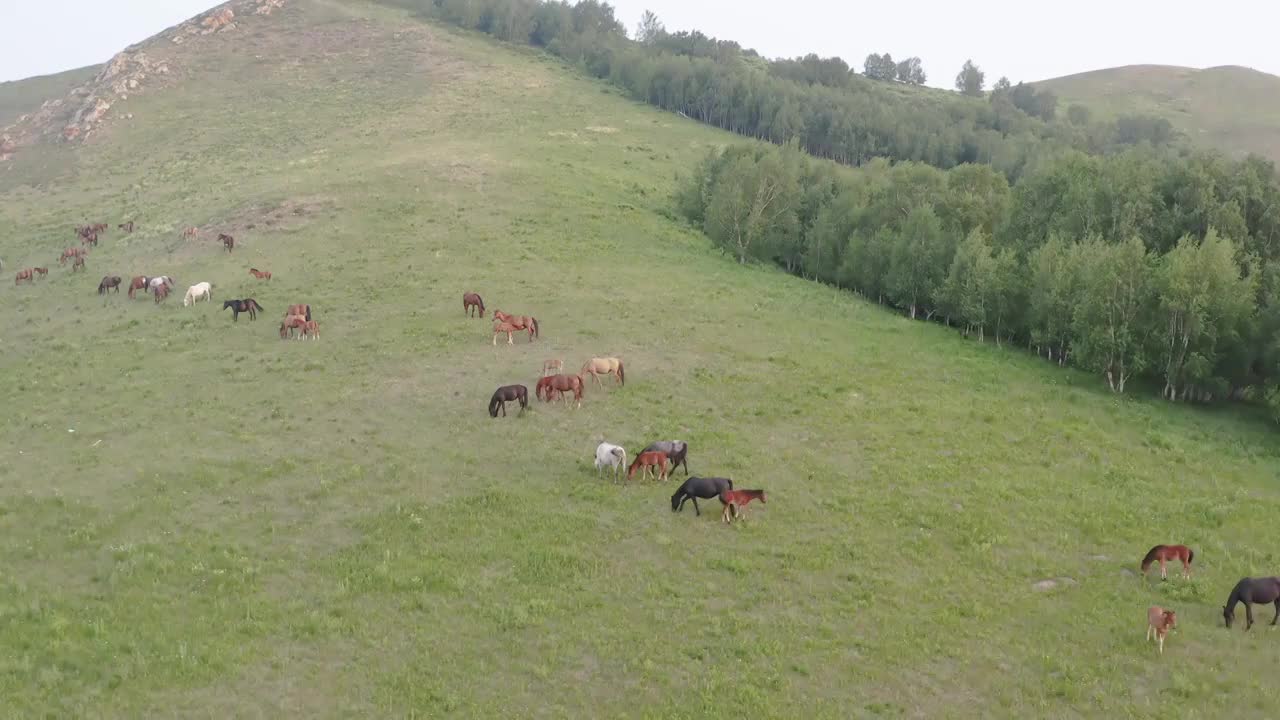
19,97
1232,108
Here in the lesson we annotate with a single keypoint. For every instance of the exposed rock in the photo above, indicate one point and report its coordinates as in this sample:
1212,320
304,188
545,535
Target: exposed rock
266,6
217,20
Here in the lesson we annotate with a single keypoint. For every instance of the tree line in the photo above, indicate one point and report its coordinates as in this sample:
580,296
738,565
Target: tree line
1145,264
831,110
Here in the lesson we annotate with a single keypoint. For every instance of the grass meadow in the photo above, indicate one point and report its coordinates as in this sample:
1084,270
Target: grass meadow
198,519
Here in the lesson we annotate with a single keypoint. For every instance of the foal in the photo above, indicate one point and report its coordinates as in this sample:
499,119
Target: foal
1169,552
647,461
735,501
1160,622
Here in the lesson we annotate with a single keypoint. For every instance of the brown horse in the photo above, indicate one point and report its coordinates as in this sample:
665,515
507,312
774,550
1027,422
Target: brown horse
190,232
98,227
735,502
291,323
311,329
78,264
108,282
260,274
90,239
471,302
303,310
1163,553
29,275
595,367
566,383
508,328
41,271
522,322
71,253
139,282
127,227
647,462
161,292
1160,622
228,242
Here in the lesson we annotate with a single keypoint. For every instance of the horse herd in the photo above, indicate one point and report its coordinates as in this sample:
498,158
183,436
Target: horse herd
297,319
656,460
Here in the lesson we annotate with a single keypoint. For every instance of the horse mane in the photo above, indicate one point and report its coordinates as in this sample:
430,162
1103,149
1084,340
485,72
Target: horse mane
1151,556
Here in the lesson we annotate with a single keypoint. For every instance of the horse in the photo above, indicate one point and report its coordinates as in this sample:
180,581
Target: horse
161,292
699,487
228,242
78,264
71,253
291,323
563,383
736,501
1252,591
521,322
197,292
648,461
190,232
1160,622
612,456
604,366
311,329
260,274
29,275
247,305
108,282
508,328
139,282
471,302
155,282
127,227
677,451
90,239
505,394
1169,552
552,367
99,227
303,310
41,271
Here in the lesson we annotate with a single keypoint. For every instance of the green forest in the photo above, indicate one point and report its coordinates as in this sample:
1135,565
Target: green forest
1111,245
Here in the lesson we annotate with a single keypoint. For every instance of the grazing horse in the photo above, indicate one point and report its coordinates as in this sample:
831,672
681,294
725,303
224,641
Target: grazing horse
677,452
564,383
198,292
247,305
41,271
228,242
699,487
78,264
155,282
471,302
612,456
647,462
310,329
260,274
1252,591
552,367
190,232
161,292
127,227
29,275
90,239
1160,622
521,322
139,282
505,394
544,385
291,323
1169,552
736,501
108,282
303,310
71,253
595,367
508,328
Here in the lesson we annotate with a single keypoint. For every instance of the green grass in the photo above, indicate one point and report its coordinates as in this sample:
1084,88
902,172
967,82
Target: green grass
1233,109
20,97
199,519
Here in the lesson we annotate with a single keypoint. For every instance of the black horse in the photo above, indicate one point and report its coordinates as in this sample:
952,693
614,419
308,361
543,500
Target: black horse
677,452
108,282
247,305
699,487
1252,591
508,393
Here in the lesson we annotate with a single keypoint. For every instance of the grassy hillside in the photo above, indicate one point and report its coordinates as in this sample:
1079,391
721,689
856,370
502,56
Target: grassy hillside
1234,109
19,97
197,518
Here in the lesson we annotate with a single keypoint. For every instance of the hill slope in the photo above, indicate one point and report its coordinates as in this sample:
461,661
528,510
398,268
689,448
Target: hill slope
197,518
1234,109
19,97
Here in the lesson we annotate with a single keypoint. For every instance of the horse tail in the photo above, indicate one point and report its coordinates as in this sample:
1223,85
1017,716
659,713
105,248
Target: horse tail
308,313
493,406
1151,556
536,332
1191,555
622,375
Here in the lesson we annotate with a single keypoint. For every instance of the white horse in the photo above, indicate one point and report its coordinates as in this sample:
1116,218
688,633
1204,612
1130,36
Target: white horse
612,456
153,283
199,291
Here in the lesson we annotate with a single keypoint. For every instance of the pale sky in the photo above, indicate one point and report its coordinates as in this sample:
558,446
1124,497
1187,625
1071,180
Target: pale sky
1004,37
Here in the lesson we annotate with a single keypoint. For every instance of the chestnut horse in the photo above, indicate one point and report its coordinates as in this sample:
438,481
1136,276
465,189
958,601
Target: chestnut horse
291,323
311,329
508,328
190,232
1169,552
562,384
471,302
161,292
260,274
1160,621
595,367
139,282
90,239
303,310
29,275
521,322
41,271
228,242
735,501
647,462
71,253
108,282
78,264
